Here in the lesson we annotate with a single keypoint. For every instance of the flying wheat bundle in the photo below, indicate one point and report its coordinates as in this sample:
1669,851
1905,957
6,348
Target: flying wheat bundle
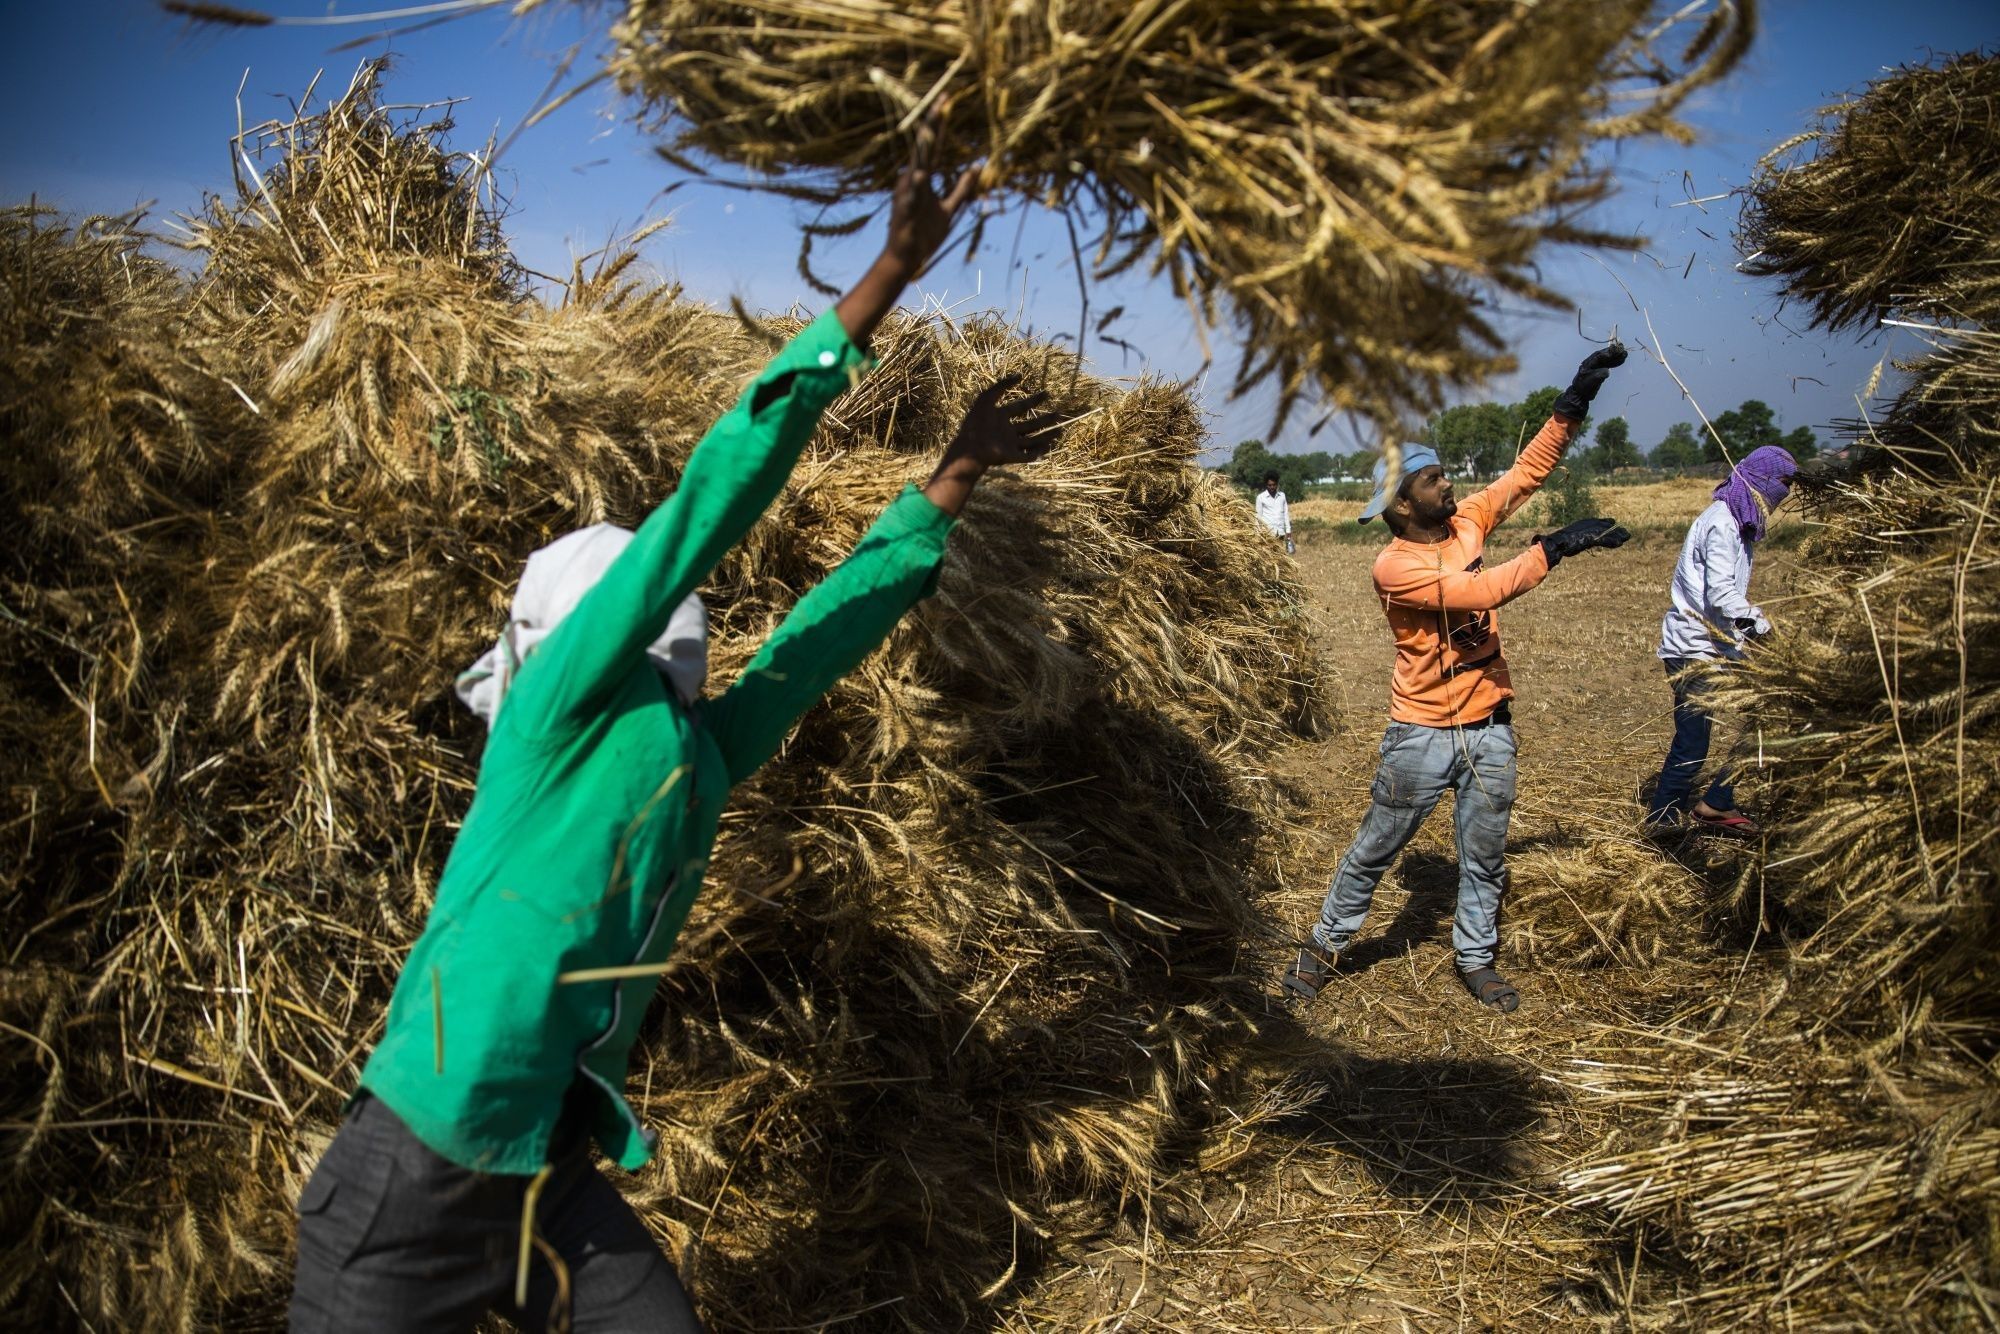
1352,184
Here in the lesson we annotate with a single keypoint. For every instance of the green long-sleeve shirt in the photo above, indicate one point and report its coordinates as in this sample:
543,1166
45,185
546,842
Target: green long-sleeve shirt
598,796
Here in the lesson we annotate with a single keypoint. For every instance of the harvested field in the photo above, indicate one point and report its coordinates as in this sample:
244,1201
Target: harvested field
1764,1096
1407,1170
1878,723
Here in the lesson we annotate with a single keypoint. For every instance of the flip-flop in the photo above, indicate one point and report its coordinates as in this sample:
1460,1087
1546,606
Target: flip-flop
1490,989
1310,973
1727,822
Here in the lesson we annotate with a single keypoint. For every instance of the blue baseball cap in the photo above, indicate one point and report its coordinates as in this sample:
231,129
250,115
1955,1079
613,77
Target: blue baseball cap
1415,459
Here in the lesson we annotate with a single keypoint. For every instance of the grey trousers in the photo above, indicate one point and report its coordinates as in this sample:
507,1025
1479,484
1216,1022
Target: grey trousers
1418,764
393,1237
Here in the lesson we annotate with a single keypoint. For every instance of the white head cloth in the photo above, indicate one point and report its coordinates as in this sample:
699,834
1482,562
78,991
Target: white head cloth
555,580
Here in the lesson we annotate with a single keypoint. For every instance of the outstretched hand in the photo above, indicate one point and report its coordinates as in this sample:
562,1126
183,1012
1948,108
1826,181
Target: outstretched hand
1574,402
919,220
1609,357
996,434
1753,629
992,434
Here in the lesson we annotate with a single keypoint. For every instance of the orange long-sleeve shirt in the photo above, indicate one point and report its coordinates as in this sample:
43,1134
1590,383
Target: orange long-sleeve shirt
1442,601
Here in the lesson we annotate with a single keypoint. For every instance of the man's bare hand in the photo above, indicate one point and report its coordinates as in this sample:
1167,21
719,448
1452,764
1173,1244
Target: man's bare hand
995,434
919,220
992,434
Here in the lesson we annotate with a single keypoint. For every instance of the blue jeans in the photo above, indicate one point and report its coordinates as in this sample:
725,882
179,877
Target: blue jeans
1692,728
1418,764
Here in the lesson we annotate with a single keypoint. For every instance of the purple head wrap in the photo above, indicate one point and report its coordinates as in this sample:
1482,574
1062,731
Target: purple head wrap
1767,472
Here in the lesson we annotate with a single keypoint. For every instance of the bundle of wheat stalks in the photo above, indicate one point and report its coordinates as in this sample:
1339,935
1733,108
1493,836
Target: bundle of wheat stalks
1771,1186
1354,184
1870,1179
1611,898
967,973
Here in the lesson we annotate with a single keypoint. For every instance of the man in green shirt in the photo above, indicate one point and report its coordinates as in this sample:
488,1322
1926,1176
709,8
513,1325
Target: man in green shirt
465,1154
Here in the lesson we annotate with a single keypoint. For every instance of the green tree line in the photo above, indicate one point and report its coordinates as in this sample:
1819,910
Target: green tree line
1251,459
1482,439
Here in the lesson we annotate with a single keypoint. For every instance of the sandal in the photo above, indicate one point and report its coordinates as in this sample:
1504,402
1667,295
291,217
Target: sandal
1727,822
1490,989
1308,976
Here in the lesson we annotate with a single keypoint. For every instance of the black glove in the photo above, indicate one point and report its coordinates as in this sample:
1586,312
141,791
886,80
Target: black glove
1574,402
1582,536
1753,631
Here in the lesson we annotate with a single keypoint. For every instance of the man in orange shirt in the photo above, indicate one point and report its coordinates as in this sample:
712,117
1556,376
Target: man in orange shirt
1450,725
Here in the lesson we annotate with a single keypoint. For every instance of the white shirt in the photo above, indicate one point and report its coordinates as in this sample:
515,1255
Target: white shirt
1711,591
1274,513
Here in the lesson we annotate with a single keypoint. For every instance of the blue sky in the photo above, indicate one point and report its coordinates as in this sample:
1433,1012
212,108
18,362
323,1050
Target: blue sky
111,105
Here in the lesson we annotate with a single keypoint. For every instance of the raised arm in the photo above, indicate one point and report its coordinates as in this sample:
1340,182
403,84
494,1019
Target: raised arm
851,611
734,473
1491,507
919,221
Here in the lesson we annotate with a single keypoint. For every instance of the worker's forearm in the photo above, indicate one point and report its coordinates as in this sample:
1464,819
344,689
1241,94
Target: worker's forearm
869,301
1543,453
734,473
953,483
834,626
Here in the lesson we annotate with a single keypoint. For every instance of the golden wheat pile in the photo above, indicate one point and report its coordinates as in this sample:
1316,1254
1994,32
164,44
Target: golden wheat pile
1610,898
1833,1148
967,973
1354,185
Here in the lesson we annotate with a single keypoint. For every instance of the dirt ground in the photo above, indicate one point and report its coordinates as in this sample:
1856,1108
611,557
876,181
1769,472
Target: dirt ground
1404,1175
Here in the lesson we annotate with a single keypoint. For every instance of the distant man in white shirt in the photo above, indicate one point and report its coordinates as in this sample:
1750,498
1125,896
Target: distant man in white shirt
1712,617
1275,512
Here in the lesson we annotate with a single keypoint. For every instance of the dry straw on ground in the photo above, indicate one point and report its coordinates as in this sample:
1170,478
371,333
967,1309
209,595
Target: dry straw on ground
968,976
1608,897
1353,185
1838,1151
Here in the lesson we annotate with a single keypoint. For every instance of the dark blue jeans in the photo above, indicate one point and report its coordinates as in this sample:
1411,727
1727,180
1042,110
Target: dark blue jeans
1692,726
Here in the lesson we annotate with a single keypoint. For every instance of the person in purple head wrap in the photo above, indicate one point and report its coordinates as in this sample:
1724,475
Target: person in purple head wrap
1712,617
